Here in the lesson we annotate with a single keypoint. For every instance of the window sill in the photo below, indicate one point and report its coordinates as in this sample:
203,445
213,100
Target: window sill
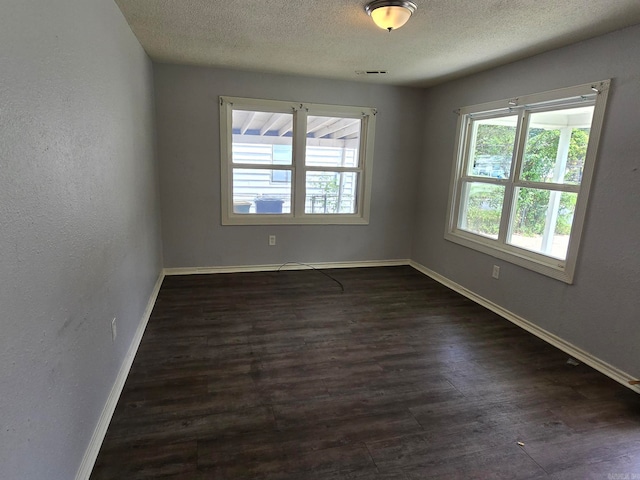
249,219
548,266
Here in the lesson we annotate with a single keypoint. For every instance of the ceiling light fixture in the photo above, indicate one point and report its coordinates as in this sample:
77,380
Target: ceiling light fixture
390,14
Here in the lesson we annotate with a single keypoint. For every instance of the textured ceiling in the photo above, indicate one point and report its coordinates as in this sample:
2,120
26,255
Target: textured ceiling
444,39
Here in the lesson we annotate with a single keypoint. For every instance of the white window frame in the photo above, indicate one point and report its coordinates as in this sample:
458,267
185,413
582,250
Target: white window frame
587,94
300,111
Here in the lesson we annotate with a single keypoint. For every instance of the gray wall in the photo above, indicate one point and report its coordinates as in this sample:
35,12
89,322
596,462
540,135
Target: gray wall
189,154
601,311
79,223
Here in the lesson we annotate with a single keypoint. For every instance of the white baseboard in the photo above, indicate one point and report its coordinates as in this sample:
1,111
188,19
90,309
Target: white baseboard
285,266
575,352
91,454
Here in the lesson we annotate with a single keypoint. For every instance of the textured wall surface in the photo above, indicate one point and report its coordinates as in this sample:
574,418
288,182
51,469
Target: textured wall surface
79,223
189,153
601,311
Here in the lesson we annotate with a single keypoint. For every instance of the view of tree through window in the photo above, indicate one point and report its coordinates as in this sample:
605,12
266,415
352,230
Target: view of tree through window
522,175
552,155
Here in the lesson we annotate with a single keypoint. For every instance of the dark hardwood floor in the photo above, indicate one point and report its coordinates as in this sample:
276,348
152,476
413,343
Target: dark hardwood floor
281,375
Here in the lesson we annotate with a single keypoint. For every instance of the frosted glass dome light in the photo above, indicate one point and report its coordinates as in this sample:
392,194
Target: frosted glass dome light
390,14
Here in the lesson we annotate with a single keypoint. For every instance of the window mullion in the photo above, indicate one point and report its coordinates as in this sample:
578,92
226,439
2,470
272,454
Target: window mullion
507,211
555,187
521,132
261,166
324,168
508,207
462,171
226,143
469,145
299,153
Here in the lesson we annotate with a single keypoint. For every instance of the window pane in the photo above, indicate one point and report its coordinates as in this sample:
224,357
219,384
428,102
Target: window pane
333,141
281,176
331,192
556,145
262,137
481,208
542,221
255,192
492,145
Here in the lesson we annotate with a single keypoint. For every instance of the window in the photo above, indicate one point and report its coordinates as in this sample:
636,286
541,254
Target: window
522,174
295,163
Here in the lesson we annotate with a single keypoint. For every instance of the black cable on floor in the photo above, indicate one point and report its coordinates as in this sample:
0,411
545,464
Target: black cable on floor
316,269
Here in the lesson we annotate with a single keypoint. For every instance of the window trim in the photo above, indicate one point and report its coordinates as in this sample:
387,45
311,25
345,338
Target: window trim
298,168
562,270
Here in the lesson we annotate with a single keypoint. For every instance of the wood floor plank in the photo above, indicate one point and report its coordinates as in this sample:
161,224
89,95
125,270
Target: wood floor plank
159,460
488,464
625,466
283,376
586,448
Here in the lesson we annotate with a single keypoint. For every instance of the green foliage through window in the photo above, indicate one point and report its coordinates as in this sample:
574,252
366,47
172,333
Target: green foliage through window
522,175
483,214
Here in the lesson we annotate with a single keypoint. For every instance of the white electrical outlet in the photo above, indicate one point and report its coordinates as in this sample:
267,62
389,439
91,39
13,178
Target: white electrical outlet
114,330
496,271
272,240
